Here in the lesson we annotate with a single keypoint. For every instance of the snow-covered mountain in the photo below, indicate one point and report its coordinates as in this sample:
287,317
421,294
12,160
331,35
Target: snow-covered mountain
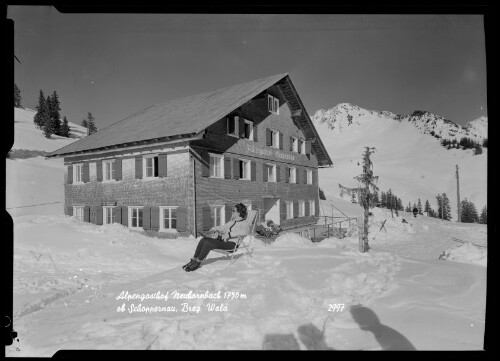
28,136
347,115
408,159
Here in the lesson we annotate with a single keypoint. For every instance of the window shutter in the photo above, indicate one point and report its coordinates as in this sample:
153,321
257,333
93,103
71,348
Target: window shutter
118,169
182,219
98,216
287,175
291,144
282,210
253,167
308,147
236,169
162,165
124,213
227,167
299,143
241,127
315,176
155,218
264,172
230,125
281,140
86,214
99,170
205,164
307,209
86,173
295,209
138,167
297,175
207,218
229,212
146,218
278,173
269,137
117,214
70,174
255,137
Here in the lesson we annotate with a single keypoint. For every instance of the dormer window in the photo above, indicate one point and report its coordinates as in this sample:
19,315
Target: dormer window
273,104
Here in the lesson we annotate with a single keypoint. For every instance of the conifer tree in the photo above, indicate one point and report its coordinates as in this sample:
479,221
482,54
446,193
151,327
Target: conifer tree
383,199
84,123
439,200
390,201
42,111
419,207
446,208
483,219
55,117
65,131
408,207
376,200
427,207
17,96
400,204
91,124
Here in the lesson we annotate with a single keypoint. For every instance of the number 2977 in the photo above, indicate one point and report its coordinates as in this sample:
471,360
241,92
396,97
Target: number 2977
336,307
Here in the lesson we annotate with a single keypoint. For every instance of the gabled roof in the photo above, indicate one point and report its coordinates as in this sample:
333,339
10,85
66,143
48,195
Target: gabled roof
185,116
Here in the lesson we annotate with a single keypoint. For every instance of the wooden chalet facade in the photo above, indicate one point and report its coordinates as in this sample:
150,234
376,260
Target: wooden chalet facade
181,166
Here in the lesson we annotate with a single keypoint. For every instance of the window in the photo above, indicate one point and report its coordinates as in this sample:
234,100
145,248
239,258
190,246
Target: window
150,166
245,169
303,147
273,104
302,208
309,176
249,207
168,218
78,173
275,139
295,144
232,126
289,210
78,213
218,215
312,208
292,175
216,166
135,217
271,172
108,216
248,131
108,170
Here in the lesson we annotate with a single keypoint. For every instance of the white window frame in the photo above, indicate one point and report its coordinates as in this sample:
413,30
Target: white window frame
236,121
247,166
312,208
275,138
295,144
76,210
111,163
289,210
250,123
79,179
303,147
212,169
309,176
106,209
162,214
144,165
130,209
273,167
275,104
293,171
302,208
222,214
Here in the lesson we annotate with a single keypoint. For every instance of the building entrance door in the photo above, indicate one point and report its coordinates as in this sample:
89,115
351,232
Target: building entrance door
272,209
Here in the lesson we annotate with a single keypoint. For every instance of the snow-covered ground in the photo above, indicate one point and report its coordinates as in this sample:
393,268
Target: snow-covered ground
82,286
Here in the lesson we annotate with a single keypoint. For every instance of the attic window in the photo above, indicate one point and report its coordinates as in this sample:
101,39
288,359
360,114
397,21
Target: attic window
273,104
232,126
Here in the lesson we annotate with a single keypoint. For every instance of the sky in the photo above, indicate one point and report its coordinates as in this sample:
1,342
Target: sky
114,65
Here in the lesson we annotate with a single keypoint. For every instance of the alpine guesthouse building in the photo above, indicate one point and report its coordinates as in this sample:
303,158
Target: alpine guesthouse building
180,166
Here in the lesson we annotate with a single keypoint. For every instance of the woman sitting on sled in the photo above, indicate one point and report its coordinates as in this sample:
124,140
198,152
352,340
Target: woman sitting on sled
220,237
